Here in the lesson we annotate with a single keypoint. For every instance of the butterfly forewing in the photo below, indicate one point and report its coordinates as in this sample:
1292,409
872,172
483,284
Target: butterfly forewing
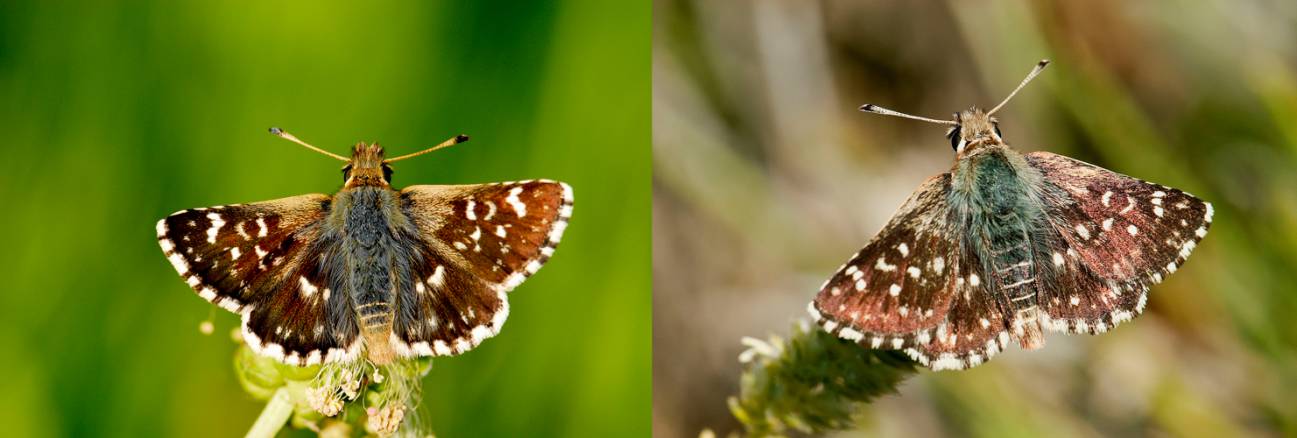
1121,234
262,260
476,243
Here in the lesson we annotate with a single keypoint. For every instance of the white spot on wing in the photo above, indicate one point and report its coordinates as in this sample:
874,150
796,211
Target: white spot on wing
895,289
1058,259
468,211
216,226
307,288
178,262
515,203
480,333
883,266
438,278
1082,231
947,361
903,249
815,313
1132,230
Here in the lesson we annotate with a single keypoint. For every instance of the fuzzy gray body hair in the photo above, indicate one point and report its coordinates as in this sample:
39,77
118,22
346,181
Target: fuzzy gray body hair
374,257
998,214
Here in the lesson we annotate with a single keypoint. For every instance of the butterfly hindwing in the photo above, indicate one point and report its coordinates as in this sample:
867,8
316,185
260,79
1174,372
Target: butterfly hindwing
908,289
263,261
446,309
1119,236
300,315
475,244
974,329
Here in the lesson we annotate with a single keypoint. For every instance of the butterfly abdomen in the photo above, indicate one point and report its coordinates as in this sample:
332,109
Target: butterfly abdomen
372,255
1002,220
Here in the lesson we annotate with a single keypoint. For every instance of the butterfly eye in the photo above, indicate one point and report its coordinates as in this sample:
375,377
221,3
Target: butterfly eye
346,173
955,138
387,173
996,126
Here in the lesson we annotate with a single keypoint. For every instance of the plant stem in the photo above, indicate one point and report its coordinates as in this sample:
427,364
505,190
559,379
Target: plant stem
273,417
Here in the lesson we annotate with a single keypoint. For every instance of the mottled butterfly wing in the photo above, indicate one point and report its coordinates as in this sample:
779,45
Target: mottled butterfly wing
265,261
475,244
1121,234
914,288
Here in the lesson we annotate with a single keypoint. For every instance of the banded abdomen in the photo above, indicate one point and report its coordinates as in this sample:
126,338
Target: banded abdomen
372,262
1005,244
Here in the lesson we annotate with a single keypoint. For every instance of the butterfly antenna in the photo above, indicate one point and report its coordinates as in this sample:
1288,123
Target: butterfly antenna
445,144
1035,71
286,136
871,108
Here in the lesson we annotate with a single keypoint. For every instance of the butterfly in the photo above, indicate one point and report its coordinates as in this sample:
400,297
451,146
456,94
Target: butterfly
373,270
1007,246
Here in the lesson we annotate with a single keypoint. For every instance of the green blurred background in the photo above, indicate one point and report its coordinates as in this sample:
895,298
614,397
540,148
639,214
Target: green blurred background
767,178
115,115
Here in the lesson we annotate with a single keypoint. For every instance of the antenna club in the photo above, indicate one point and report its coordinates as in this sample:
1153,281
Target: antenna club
1042,63
868,107
461,138
275,130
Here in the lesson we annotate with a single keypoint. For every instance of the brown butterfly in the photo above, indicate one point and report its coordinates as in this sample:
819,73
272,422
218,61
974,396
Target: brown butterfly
420,271
1006,246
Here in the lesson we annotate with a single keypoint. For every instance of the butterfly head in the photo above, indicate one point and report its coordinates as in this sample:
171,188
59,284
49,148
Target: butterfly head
367,167
970,129
973,129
